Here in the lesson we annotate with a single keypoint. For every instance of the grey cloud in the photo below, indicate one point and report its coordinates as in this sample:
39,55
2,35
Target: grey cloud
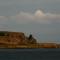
7,10
37,1
38,17
7,2
7,7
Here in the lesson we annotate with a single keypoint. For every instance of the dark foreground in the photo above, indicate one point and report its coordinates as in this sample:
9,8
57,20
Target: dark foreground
29,54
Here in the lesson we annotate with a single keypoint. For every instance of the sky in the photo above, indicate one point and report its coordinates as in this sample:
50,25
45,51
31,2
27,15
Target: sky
41,18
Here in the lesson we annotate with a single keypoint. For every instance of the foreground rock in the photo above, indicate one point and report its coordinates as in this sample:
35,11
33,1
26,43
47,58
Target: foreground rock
19,40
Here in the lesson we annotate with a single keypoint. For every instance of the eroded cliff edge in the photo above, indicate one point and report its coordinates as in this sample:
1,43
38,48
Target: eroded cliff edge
20,40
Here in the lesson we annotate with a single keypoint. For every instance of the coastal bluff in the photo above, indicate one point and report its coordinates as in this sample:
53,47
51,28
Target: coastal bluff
20,40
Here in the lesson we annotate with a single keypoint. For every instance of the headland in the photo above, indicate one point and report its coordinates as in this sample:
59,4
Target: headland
20,40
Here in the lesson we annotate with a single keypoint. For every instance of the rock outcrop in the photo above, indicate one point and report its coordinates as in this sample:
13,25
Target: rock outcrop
15,39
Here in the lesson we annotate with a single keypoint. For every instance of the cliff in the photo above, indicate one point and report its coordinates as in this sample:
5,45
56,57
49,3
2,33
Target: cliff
19,40
15,39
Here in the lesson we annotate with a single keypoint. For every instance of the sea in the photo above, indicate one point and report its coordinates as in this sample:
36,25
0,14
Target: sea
30,54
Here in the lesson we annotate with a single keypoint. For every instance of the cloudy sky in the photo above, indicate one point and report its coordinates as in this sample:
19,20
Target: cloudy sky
39,17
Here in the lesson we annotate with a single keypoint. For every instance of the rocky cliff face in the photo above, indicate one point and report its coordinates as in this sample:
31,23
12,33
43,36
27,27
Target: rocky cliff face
17,38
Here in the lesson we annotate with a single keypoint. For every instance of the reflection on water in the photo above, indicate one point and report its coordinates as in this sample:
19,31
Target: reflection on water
29,54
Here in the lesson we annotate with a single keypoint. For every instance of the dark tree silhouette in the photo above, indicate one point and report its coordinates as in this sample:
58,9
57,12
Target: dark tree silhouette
30,36
32,39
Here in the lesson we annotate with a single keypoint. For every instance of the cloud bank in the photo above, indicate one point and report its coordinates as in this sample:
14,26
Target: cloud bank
25,17
39,16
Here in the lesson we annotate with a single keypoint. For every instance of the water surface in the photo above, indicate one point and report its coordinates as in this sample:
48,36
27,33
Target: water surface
29,54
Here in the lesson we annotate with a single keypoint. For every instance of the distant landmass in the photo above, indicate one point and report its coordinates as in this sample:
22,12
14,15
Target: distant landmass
19,40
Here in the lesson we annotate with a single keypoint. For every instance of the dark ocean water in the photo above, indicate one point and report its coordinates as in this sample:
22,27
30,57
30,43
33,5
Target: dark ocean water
29,54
